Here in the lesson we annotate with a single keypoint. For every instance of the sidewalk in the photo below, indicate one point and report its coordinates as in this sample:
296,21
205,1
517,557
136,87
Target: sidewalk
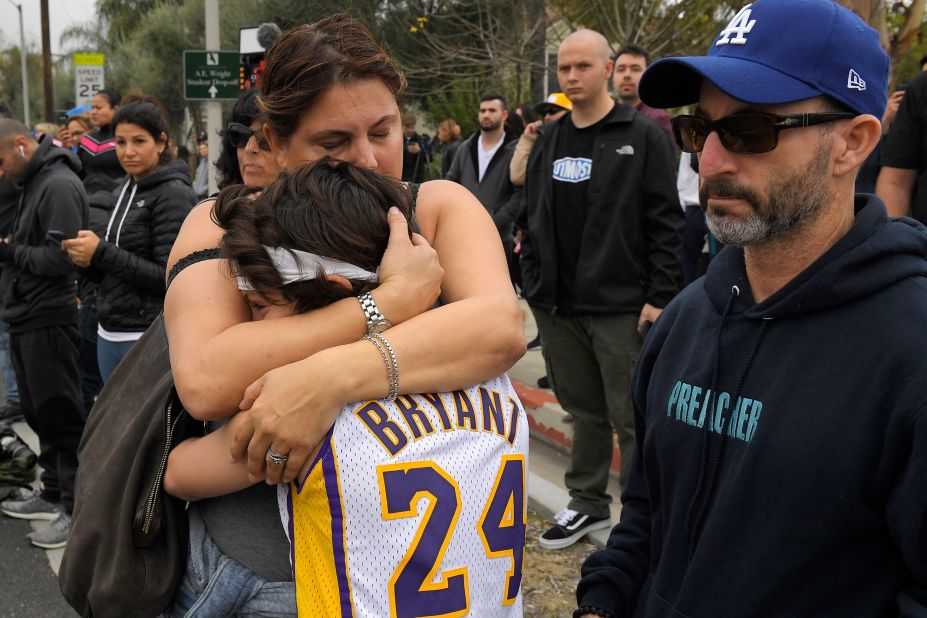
551,438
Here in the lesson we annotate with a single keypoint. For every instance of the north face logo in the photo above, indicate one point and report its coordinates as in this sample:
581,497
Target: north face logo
625,150
739,26
855,82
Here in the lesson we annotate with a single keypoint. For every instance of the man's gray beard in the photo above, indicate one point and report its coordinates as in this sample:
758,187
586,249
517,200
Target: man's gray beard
792,202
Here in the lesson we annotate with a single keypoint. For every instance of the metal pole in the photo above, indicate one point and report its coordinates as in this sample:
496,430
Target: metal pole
213,108
46,64
22,61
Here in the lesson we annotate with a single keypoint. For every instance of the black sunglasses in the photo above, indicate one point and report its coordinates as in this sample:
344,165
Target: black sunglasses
746,133
239,135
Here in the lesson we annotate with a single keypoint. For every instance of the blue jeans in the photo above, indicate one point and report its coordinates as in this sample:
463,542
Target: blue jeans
216,585
6,367
109,353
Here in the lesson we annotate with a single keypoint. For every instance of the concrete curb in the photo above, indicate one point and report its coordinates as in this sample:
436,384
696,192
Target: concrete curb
546,421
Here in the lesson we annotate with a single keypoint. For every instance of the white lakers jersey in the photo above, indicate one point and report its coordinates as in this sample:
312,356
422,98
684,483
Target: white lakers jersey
414,508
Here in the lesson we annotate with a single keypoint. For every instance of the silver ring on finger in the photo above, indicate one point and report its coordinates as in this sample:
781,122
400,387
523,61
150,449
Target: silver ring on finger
277,460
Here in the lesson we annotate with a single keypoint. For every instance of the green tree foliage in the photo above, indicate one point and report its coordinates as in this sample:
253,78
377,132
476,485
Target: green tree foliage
663,27
454,50
11,88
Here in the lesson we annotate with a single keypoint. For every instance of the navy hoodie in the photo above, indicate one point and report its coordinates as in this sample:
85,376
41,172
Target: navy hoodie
807,494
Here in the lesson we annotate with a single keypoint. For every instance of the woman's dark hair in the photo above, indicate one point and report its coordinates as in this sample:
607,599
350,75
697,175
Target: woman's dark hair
306,61
147,113
331,208
514,125
244,112
111,96
527,112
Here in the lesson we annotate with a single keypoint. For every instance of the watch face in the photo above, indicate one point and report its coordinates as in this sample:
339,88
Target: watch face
378,326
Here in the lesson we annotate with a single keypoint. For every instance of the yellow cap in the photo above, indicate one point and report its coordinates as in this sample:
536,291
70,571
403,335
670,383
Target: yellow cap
556,98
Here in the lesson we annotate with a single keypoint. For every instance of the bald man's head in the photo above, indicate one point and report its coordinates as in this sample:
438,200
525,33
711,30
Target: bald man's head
584,67
596,42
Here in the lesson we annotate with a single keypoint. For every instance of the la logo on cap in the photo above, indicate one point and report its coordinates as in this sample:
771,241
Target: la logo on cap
855,82
739,26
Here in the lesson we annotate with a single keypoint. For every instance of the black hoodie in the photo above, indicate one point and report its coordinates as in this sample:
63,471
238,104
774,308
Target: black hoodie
130,260
39,281
813,499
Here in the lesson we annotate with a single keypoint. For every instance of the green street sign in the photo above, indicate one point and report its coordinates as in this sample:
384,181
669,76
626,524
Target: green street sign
210,75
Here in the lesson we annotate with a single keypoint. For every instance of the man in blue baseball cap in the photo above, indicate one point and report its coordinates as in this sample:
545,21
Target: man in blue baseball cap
781,409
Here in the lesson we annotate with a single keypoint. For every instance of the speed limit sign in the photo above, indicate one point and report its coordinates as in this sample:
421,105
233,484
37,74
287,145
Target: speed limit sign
88,76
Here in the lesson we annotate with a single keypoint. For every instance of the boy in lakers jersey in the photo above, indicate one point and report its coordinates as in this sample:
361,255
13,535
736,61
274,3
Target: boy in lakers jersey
413,506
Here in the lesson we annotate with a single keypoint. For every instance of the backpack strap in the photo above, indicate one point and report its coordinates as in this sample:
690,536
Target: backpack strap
189,260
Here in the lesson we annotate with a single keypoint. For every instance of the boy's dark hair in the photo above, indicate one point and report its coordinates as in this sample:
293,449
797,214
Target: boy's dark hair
495,96
331,208
635,50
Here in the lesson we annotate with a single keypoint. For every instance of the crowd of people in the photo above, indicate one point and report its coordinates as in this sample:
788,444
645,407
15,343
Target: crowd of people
765,398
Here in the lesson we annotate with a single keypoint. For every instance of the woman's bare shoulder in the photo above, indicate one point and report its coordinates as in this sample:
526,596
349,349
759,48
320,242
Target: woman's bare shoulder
199,231
437,198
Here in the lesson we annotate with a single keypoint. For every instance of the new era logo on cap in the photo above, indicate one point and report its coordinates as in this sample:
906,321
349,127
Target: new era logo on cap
855,81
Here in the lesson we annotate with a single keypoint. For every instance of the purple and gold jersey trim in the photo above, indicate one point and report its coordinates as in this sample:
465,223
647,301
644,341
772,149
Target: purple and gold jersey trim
318,538
339,532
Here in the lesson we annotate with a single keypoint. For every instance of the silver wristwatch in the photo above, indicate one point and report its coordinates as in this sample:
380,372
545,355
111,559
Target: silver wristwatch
376,323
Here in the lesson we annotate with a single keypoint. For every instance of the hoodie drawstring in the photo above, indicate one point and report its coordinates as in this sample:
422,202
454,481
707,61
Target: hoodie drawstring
112,217
704,498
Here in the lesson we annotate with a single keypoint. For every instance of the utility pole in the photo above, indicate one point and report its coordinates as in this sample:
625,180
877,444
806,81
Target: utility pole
22,62
46,65
213,108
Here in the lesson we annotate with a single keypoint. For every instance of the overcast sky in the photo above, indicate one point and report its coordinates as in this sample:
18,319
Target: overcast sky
61,14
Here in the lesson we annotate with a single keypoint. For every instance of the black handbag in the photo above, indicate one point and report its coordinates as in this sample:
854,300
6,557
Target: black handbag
127,549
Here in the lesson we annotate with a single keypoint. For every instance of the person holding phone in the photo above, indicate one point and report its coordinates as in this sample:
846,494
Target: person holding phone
129,260
39,289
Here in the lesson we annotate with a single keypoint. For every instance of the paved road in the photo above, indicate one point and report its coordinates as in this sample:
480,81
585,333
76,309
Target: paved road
28,587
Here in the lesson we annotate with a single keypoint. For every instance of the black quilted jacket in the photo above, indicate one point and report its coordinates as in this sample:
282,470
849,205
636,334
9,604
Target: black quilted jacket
129,263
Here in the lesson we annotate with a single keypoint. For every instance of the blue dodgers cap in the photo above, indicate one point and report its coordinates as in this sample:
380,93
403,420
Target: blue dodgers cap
780,51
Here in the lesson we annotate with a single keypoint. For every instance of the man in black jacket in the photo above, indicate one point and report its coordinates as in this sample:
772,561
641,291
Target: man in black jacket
40,305
600,258
482,166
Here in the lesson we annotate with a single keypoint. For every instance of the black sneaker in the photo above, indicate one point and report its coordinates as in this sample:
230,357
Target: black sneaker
543,382
535,344
569,527
17,461
11,414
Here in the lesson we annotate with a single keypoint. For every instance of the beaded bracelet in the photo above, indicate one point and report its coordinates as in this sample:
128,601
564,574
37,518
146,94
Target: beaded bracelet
394,380
389,359
587,610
